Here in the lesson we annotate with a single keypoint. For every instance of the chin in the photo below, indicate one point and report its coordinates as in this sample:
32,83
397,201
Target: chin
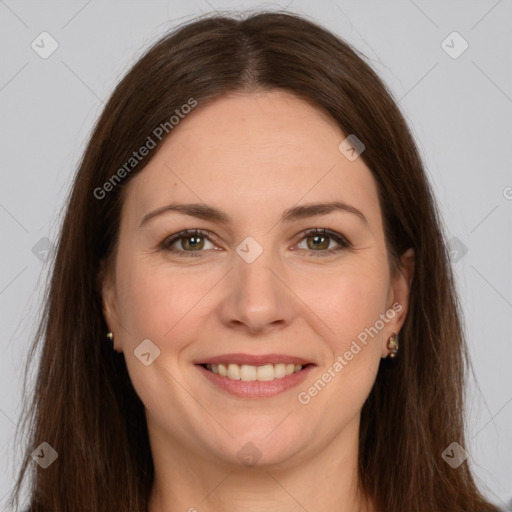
256,452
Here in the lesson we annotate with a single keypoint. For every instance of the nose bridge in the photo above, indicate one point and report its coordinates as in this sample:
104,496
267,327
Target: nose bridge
257,298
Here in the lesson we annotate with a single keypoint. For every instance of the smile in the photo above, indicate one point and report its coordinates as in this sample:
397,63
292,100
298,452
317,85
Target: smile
254,381
250,373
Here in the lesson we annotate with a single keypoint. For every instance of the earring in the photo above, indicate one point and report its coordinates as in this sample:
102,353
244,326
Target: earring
110,336
393,345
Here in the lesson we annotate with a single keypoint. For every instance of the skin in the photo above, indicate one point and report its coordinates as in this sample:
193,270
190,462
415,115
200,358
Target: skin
238,153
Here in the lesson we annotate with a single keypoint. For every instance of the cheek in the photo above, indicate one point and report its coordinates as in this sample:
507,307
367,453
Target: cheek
152,301
347,301
350,305
168,305
159,306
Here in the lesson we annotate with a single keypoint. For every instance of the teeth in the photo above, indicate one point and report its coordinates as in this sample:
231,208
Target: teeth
266,372
234,371
250,373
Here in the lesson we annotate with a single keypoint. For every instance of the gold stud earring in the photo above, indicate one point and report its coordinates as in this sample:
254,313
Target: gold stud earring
110,336
393,345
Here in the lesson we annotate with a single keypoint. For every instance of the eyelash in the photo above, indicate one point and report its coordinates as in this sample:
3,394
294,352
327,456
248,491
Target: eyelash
166,243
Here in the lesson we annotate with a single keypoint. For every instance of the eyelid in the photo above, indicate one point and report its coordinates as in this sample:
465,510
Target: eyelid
340,239
168,241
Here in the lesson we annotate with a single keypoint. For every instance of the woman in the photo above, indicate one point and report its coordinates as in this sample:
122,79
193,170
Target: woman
252,229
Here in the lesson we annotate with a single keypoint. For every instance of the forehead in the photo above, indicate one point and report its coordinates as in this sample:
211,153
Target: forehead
269,148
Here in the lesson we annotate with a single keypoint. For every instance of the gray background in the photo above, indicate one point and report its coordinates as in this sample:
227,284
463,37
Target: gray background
460,111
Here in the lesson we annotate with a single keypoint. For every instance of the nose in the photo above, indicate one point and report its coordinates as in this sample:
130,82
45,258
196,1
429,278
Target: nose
257,299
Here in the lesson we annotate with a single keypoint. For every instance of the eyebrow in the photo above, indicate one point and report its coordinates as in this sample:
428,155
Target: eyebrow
205,212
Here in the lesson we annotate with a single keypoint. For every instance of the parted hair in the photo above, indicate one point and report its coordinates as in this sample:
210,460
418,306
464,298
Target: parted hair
83,403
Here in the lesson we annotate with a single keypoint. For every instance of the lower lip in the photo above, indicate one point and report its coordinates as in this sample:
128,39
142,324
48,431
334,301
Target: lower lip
256,388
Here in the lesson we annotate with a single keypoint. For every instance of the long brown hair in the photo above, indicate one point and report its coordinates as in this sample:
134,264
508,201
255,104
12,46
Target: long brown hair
84,405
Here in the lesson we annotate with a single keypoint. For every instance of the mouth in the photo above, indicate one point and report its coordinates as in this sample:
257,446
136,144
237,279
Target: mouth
247,376
249,373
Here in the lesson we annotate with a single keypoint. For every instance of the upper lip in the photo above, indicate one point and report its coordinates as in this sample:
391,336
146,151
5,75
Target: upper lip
254,360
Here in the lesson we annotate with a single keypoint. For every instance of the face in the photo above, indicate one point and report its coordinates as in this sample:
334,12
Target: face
261,278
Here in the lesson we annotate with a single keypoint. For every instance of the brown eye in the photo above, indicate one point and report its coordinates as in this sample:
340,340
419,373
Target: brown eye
188,241
318,242
192,242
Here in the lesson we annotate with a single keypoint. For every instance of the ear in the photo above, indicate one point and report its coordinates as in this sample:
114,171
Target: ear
398,297
106,282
